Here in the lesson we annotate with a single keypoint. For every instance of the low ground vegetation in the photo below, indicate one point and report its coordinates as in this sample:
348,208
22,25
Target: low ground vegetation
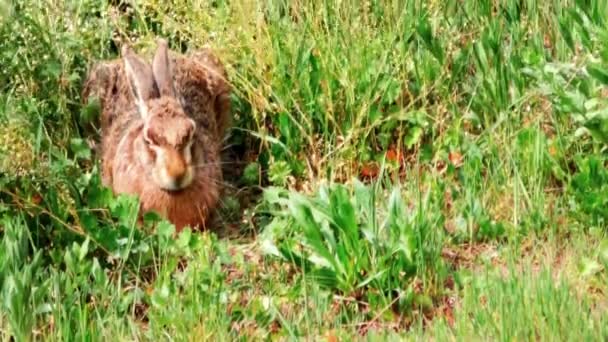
396,169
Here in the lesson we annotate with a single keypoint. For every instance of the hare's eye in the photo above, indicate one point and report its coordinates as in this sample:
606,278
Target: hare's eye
151,152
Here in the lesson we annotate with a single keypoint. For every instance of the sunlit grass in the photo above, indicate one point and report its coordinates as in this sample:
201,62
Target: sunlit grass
477,130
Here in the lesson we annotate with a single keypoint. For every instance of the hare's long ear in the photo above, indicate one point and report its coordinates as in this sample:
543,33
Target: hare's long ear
141,79
162,70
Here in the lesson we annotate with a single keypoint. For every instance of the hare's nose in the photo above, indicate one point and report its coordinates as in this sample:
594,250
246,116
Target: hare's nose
179,179
177,175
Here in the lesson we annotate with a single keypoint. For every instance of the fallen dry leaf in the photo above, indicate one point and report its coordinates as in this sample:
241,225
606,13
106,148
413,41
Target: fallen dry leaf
393,155
36,199
331,337
456,158
547,41
370,171
552,151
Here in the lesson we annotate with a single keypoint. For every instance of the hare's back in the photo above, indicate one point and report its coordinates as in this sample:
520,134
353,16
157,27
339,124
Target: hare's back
200,80
108,82
207,58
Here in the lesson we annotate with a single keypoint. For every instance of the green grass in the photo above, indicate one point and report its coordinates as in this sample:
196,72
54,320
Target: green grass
396,170
551,295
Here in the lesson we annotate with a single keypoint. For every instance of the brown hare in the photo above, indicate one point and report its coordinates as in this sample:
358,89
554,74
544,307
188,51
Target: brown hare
162,128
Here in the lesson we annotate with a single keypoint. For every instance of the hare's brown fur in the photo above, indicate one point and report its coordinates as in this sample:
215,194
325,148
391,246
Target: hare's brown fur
202,89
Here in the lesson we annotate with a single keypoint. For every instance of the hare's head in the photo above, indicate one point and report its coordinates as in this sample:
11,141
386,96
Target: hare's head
165,147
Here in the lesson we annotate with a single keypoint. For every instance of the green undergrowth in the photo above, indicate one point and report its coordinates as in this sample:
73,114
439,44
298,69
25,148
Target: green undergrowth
395,170
550,294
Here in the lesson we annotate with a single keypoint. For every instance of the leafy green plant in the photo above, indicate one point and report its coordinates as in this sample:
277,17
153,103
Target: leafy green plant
349,242
491,116
494,306
278,172
589,190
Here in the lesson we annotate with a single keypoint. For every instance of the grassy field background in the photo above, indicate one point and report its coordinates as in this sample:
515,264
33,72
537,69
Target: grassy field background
397,170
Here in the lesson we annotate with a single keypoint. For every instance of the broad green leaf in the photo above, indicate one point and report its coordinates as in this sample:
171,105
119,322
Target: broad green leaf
84,249
598,72
481,57
184,238
268,247
603,252
565,28
413,136
165,229
304,218
344,214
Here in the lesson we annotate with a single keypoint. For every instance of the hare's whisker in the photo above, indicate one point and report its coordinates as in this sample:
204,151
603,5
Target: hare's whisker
218,163
216,181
